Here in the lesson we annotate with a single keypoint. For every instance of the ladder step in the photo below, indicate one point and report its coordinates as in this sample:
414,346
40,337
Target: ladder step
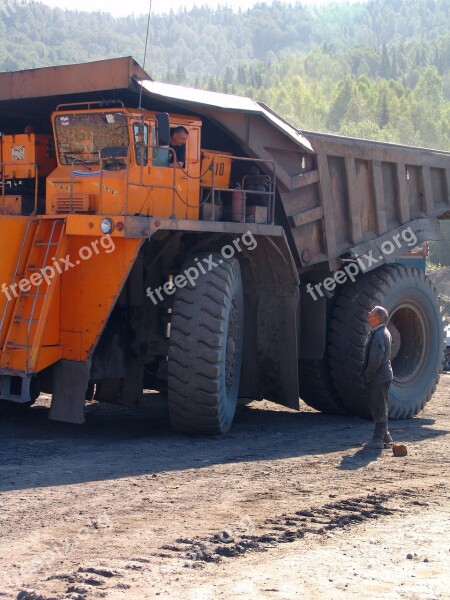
30,295
36,269
13,346
46,243
17,346
23,320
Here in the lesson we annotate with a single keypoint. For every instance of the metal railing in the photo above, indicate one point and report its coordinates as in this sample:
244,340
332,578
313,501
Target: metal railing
265,192
270,183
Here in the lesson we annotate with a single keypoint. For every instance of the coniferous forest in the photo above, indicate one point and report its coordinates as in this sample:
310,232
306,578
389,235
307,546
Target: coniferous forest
379,69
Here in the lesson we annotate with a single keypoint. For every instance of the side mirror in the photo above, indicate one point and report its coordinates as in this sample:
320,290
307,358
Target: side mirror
162,129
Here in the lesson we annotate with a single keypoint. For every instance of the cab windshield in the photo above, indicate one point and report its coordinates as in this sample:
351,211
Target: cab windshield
83,135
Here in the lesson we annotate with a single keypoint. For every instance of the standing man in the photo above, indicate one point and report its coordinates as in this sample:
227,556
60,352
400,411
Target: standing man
377,373
178,139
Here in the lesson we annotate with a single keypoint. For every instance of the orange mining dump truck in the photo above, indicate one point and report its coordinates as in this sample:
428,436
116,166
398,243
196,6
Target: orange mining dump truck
241,264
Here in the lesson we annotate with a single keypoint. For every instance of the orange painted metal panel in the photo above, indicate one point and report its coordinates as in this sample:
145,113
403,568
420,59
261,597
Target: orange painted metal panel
30,331
10,205
48,355
216,167
89,194
22,152
164,192
90,288
91,272
89,225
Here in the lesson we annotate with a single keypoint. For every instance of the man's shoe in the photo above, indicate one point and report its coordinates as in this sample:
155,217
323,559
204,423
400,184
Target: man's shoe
375,444
388,438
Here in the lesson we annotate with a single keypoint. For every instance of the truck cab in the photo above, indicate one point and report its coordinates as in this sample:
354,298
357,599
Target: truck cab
111,160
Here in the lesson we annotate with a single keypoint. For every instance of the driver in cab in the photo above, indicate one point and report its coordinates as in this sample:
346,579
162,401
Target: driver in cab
178,139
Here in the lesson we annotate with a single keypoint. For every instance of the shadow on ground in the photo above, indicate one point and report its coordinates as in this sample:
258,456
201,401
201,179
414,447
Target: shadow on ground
118,442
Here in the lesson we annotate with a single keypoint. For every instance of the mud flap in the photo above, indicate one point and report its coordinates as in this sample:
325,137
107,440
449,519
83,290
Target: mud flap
70,382
277,348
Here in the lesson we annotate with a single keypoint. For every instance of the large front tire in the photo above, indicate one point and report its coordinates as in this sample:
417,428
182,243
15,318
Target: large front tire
416,326
205,348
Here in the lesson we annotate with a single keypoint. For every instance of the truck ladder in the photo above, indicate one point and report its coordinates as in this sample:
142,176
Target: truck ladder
32,302
29,233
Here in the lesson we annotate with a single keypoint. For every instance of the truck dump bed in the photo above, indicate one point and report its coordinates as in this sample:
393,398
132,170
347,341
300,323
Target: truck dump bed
361,190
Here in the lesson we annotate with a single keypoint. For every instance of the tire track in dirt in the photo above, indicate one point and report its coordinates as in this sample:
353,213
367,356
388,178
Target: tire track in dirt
89,581
349,512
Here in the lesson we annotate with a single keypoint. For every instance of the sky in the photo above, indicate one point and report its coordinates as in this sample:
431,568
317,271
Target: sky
138,7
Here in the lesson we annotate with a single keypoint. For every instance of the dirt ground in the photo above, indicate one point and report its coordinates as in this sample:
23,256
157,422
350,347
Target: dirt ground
287,505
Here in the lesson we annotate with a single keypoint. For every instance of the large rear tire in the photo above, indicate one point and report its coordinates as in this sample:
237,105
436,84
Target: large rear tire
416,326
205,349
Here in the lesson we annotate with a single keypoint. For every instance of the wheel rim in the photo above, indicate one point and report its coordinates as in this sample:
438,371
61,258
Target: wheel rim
409,330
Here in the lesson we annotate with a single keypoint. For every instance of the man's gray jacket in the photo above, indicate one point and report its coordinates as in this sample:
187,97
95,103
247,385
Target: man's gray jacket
377,362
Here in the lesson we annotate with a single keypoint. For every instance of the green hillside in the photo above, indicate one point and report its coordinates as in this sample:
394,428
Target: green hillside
378,70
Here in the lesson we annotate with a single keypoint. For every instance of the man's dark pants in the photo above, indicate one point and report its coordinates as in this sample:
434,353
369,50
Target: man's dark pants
378,395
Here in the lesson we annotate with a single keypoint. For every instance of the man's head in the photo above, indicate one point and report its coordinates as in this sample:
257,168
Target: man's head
179,136
377,316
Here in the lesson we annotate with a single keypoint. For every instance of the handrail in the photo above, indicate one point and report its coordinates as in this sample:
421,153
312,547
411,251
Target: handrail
89,103
270,193
214,189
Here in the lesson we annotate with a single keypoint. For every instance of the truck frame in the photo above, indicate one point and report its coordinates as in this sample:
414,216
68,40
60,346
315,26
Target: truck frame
246,273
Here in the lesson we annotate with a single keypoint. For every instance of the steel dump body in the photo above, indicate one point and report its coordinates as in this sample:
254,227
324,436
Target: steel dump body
319,203
361,190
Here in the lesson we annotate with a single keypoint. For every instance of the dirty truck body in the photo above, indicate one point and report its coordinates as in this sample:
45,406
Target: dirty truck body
248,272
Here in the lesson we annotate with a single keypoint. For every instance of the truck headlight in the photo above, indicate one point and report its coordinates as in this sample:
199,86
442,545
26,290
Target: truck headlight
106,226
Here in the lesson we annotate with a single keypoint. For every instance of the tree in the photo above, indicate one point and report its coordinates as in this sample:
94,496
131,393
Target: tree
340,106
385,66
383,118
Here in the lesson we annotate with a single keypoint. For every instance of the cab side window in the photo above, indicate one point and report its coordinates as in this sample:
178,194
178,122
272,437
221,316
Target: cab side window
160,156
140,133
